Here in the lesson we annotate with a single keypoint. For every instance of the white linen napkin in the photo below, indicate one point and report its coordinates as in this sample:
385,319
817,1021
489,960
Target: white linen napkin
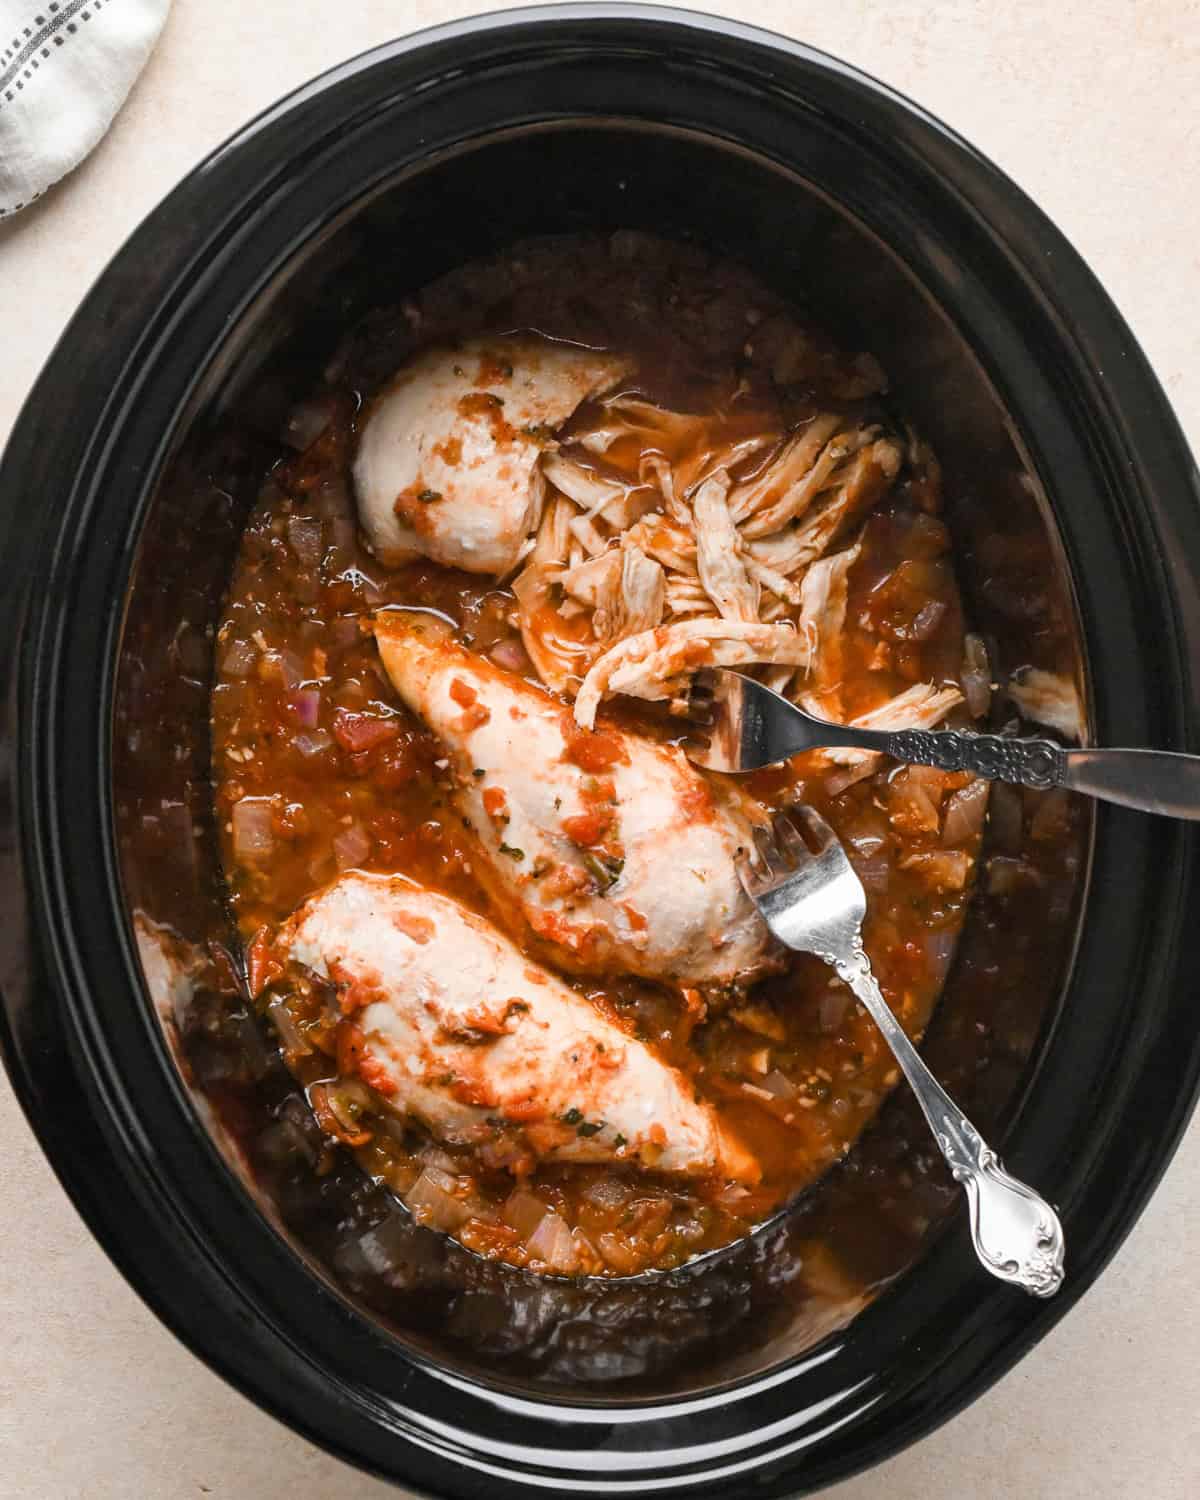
66,67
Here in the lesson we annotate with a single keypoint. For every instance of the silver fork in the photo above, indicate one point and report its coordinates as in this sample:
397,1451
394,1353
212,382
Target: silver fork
737,724
806,890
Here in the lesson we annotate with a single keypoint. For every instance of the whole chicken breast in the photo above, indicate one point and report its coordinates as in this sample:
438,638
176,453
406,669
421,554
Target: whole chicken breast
447,459
615,851
464,1033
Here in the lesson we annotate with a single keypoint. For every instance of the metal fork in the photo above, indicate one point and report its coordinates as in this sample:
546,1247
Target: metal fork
737,724
806,890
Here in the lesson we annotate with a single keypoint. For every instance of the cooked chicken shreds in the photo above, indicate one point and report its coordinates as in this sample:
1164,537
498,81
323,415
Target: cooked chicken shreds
922,706
447,456
775,583
1048,698
465,1034
635,603
654,665
557,655
601,495
788,468
624,589
866,478
721,570
796,501
823,594
614,851
679,448
667,542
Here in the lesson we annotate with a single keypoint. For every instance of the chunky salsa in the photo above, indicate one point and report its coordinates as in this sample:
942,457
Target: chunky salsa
724,405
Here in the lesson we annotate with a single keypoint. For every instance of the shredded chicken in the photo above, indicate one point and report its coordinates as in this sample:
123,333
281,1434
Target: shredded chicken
867,477
654,664
556,658
1048,698
634,596
660,521
922,706
823,595
721,569
794,461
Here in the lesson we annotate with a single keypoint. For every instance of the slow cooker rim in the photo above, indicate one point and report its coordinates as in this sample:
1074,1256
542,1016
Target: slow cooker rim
573,14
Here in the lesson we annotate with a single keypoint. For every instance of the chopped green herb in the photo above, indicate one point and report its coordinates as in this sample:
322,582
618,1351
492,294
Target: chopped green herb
478,771
603,868
557,803
511,852
458,370
572,1116
427,497
619,1141
590,1128
446,1080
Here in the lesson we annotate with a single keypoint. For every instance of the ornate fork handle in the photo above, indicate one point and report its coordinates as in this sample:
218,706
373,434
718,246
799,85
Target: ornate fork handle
1157,781
1016,1234
1034,763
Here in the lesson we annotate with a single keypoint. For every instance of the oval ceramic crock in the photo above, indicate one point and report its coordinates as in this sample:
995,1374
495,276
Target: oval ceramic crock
119,497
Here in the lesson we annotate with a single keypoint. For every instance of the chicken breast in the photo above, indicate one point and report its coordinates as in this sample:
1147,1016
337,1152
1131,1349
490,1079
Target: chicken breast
471,1038
615,851
447,460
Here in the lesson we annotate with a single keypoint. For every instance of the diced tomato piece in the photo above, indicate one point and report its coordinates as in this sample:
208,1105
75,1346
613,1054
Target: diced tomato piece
375,1075
462,692
591,750
586,829
495,803
262,966
350,1045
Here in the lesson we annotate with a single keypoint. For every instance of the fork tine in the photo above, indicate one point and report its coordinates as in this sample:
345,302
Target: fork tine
819,834
789,841
766,859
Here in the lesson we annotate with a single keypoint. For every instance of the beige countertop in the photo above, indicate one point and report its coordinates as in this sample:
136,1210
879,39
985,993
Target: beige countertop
1092,106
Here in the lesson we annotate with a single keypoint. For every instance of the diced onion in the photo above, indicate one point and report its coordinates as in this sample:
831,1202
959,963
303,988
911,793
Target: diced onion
511,656
832,1007
778,1084
305,705
551,1243
253,833
433,1204
964,814
976,676
312,742
351,846
282,666
523,1211
927,619
239,659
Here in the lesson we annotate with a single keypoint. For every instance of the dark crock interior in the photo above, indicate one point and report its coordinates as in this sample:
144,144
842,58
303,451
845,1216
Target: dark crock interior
220,313
871,1218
